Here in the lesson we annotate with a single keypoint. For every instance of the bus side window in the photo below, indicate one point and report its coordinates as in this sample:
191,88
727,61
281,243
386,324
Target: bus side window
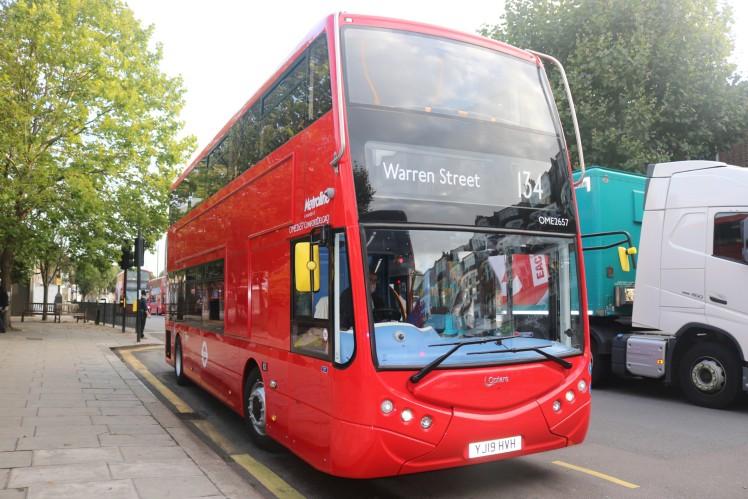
310,327
343,315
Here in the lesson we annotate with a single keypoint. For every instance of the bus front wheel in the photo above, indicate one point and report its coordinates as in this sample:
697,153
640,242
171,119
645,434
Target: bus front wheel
255,409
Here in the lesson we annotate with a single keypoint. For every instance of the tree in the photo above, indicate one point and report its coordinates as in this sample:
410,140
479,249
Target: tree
93,280
88,129
651,80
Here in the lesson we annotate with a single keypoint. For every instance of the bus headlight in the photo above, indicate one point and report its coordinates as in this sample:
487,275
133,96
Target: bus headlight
406,415
582,386
569,396
556,405
386,406
426,422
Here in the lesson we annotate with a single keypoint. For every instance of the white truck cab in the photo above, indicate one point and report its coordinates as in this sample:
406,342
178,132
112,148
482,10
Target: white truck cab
690,313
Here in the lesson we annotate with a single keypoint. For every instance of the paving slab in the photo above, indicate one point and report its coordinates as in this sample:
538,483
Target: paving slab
124,420
152,453
68,411
51,431
16,432
86,472
57,421
123,411
110,489
8,443
13,493
58,442
130,429
74,456
166,469
15,459
158,488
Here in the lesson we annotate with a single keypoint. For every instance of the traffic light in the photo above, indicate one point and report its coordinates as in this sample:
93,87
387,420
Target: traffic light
125,261
139,252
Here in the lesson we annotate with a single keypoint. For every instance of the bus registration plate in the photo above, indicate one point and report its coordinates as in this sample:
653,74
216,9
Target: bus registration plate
491,447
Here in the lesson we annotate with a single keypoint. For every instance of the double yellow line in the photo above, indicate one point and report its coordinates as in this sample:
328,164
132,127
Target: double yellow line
270,480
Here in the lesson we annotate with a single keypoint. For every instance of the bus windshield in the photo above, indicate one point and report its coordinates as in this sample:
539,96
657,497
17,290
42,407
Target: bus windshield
447,132
431,288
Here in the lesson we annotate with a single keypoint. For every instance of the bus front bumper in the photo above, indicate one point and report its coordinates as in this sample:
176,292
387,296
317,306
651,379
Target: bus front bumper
370,452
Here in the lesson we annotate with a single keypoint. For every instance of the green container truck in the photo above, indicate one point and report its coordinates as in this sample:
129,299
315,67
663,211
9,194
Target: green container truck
610,202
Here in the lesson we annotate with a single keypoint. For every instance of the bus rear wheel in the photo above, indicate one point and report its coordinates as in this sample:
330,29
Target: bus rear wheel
710,375
179,363
255,410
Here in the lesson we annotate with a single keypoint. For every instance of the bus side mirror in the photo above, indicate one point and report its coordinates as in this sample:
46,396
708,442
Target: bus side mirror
623,257
306,267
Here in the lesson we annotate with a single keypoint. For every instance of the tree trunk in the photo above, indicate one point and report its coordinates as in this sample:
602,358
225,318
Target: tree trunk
44,274
45,300
6,264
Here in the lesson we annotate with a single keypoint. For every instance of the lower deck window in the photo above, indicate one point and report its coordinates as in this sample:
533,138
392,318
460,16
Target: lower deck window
197,295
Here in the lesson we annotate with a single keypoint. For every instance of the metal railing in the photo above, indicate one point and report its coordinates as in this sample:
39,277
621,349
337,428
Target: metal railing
99,313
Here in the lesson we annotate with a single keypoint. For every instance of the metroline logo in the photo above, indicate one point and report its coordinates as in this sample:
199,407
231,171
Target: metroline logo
316,201
495,380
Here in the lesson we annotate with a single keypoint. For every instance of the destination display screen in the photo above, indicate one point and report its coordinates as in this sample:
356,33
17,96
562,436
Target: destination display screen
442,175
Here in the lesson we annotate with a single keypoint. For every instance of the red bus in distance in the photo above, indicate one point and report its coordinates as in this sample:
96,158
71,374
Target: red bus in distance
157,296
377,261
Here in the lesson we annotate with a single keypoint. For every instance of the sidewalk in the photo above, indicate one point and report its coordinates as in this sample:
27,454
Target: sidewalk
75,422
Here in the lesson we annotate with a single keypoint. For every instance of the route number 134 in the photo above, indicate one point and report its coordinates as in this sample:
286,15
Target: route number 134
526,187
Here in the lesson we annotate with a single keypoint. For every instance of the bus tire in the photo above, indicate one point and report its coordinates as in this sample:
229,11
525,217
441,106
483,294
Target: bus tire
255,410
179,363
709,375
600,367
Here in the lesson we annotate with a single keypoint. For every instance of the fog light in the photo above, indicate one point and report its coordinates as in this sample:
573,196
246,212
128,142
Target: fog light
387,406
406,415
582,386
426,422
556,406
569,396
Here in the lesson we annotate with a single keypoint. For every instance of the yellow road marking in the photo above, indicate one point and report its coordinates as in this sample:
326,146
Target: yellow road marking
179,404
597,474
271,481
142,348
266,477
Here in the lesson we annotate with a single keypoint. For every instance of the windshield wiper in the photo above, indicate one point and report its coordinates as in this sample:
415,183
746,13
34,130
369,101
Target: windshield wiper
564,363
455,346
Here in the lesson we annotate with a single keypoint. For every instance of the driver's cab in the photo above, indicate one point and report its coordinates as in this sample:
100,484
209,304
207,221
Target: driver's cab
388,285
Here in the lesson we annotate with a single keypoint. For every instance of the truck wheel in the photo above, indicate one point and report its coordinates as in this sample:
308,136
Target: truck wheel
179,363
255,410
600,367
709,375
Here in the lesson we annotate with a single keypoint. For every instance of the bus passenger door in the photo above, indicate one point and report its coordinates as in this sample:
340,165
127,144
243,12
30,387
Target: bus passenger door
310,363
268,321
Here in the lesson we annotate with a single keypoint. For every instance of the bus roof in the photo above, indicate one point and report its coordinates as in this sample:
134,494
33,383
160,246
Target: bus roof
361,20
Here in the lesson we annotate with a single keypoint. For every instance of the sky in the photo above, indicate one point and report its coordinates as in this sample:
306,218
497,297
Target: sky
226,49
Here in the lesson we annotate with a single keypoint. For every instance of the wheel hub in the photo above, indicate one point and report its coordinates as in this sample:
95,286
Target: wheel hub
256,407
178,361
708,375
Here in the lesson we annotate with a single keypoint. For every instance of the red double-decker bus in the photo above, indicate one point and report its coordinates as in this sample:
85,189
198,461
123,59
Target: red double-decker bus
377,261
157,289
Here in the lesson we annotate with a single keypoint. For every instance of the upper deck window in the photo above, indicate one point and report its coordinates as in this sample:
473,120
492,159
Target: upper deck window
452,78
300,96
